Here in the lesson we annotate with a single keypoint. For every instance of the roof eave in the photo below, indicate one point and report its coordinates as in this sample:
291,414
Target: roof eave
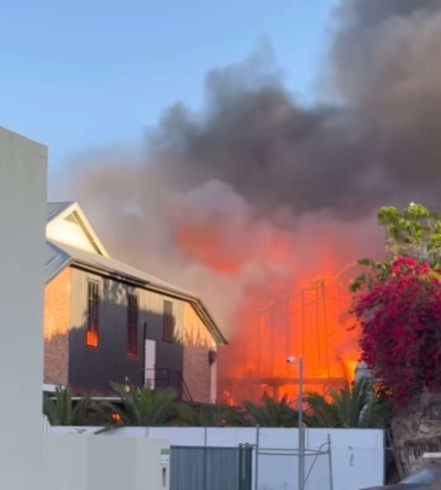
58,271
218,336
200,308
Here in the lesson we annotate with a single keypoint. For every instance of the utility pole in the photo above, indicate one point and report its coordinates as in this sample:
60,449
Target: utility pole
301,442
301,432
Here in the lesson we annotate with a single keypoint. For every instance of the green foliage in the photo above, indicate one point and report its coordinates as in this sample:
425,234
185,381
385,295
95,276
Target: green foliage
321,412
415,232
144,407
63,410
234,417
204,416
209,416
272,413
377,271
354,406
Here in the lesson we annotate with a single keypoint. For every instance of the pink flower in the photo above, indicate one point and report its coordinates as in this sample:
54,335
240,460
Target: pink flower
400,321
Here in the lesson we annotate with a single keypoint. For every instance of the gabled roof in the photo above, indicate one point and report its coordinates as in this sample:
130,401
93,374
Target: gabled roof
115,267
56,260
60,212
61,255
54,209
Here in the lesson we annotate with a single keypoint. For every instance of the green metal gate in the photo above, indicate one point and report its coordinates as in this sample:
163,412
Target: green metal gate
210,468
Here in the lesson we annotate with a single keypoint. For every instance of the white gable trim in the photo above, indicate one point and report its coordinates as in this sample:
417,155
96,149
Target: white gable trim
86,227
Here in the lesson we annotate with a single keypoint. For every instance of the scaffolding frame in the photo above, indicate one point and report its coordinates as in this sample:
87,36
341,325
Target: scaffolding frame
324,449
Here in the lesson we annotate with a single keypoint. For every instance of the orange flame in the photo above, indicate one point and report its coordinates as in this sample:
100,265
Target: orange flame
302,313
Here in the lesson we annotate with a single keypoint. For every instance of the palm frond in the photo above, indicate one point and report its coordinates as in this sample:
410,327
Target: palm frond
186,415
323,413
210,416
144,407
50,410
354,406
233,417
63,410
272,413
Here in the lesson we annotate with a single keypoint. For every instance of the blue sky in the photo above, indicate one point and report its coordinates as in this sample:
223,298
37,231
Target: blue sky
82,74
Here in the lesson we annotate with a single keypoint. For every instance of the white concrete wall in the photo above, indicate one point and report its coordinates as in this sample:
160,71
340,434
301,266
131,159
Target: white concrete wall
29,459
357,455
22,257
96,462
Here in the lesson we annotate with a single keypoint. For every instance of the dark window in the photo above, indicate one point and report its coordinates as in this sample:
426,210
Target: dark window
132,326
93,297
168,322
212,356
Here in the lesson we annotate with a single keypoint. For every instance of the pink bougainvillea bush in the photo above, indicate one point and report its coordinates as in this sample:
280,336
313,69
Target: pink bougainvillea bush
400,320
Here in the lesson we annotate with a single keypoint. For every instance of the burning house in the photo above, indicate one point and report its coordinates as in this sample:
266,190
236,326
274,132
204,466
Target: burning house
106,321
257,201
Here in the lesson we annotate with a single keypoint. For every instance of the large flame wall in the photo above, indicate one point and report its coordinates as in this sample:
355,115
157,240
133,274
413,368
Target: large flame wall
300,308
312,324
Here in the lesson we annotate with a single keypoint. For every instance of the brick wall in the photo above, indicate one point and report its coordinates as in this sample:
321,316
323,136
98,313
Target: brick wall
57,322
197,343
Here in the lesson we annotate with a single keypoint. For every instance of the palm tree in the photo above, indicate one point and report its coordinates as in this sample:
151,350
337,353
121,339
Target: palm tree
142,406
234,417
354,406
65,411
203,416
272,413
210,416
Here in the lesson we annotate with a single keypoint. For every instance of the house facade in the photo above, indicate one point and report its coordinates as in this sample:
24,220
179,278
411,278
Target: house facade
106,321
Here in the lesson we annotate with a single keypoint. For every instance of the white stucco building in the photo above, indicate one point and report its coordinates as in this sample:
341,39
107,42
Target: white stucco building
29,459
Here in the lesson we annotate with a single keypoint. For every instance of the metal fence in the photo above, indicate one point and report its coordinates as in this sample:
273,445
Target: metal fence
211,468
279,468
288,468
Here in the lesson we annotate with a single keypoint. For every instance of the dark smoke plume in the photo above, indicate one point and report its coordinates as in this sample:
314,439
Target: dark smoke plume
385,66
254,162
